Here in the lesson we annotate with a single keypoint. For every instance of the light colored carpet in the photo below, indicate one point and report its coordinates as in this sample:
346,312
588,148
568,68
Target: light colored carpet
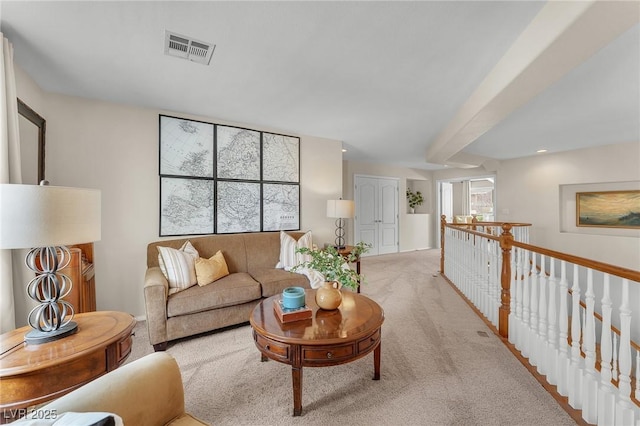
441,365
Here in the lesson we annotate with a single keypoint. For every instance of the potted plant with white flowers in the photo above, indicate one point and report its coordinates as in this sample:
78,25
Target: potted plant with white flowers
335,269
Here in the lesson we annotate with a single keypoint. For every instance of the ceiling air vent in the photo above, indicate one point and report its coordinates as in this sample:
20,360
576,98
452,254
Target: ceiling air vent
187,48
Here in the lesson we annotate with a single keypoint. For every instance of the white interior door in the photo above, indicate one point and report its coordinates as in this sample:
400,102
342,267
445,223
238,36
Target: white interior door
446,198
388,239
365,220
376,221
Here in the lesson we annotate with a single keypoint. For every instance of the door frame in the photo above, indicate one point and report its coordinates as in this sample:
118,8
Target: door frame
458,179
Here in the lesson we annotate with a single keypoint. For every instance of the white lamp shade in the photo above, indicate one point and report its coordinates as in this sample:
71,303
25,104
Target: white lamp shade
47,216
341,208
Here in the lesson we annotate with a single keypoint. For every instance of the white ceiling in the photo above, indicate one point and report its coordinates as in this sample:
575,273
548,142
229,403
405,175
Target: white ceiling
386,78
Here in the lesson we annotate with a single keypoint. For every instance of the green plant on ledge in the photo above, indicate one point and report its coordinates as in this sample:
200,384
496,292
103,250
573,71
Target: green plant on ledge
332,265
415,198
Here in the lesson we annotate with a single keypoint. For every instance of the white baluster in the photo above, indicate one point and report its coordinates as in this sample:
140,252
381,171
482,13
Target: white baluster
563,345
542,318
497,283
614,367
606,395
590,383
517,299
488,291
473,273
460,247
552,321
482,276
575,367
624,409
533,323
526,293
638,378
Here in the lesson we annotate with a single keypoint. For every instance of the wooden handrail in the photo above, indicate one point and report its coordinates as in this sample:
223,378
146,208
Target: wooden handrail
619,271
622,272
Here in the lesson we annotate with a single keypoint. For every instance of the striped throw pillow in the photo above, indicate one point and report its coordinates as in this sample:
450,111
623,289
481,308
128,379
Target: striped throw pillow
178,266
288,246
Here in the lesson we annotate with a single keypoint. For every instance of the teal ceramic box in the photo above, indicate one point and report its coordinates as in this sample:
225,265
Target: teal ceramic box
293,297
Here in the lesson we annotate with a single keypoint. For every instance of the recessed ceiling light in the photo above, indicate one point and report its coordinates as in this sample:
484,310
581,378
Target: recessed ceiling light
344,150
540,151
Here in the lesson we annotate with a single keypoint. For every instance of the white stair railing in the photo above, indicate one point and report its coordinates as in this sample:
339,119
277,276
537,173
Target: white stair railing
553,321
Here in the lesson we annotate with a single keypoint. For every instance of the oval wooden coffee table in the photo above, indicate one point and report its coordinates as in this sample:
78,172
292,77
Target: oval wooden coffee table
328,338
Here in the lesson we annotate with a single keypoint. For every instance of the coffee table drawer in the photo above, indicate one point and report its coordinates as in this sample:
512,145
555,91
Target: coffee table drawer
328,354
368,342
276,350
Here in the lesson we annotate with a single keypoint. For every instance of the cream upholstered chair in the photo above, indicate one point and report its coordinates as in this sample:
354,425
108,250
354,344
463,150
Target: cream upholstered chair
462,219
145,392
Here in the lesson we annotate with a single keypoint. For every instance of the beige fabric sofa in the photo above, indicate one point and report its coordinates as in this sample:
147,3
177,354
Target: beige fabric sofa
145,392
251,259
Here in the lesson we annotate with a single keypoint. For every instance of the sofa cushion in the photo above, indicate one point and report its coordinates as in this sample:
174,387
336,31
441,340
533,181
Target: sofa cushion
178,266
288,246
263,248
233,289
273,281
212,269
231,245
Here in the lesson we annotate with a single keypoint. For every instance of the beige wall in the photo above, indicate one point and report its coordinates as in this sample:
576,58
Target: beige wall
114,148
529,189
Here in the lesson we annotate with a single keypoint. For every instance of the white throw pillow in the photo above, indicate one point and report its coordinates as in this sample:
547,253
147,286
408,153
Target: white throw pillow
178,266
288,246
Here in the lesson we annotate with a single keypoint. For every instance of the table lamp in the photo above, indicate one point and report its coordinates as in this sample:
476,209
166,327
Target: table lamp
340,209
48,218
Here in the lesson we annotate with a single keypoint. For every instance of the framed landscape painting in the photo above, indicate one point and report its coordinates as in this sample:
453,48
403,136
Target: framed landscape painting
610,209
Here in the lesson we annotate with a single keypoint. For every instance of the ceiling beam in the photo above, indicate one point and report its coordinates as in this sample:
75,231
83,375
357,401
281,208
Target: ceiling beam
563,35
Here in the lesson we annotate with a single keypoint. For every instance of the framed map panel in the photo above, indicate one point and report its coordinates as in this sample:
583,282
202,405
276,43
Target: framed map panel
225,179
281,158
238,207
186,147
238,153
186,206
281,207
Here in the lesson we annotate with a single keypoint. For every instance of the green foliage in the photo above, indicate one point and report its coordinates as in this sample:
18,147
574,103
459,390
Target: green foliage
331,264
415,198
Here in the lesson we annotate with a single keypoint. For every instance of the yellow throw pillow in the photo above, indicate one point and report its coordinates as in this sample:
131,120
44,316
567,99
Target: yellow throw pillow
212,269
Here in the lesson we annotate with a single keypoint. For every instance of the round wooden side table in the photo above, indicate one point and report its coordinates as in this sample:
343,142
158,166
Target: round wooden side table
33,374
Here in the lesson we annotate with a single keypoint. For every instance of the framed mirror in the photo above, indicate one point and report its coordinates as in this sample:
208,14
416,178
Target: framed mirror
32,144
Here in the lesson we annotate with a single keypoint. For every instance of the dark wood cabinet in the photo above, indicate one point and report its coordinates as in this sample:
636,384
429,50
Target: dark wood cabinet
82,273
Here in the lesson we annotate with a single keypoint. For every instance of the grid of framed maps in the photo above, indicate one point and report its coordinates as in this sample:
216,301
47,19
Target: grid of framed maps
223,179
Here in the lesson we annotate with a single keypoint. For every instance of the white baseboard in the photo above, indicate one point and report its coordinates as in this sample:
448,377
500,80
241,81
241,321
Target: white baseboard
416,249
